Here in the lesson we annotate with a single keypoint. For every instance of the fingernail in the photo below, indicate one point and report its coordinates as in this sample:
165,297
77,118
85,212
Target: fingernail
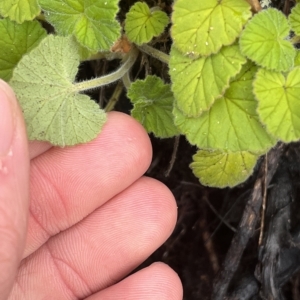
6,123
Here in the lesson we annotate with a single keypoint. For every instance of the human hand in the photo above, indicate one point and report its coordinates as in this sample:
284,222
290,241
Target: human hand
91,220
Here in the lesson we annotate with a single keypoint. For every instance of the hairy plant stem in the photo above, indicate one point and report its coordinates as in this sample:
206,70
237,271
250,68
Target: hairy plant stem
107,79
126,80
104,55
115,97
163,57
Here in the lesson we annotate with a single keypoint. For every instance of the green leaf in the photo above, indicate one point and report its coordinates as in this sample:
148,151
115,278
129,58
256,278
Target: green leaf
279,103
19,10
232,123
264,41
53,109
294,19
153,103
16,40
92,22
222,169
142,24
84,52
203,27
198,83
297,58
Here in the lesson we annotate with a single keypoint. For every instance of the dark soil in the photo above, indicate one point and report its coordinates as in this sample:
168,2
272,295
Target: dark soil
200,241
215,255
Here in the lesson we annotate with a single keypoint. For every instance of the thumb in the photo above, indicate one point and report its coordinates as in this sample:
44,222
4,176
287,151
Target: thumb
14,188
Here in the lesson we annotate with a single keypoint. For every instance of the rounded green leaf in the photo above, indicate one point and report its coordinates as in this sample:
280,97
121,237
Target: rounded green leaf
92,22
17,40
264,41
141,24
232,123
19,10
197,83
53,110
153,103
223,169
203,27
279,103
294,19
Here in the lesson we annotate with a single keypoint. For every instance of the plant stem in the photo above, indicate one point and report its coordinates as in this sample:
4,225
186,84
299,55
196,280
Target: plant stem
115,97
255,5
107,55
173,157
295,39
126,80
107,79
41,17
163,57
155,8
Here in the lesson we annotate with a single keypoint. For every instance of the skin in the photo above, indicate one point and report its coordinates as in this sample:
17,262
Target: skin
75,221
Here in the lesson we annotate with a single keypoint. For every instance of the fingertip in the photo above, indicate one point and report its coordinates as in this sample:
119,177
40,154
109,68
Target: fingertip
152,209
4,86
156,206
158,281
167,279
134,132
